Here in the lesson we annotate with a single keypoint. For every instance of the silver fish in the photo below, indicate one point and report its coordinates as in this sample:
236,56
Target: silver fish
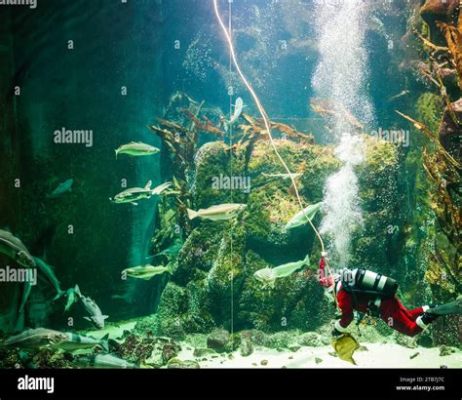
74,342
268,276
34,338
238,107
301,217
96,316
13,248
62,188
133,195
137,149
105,361
146,272
219,212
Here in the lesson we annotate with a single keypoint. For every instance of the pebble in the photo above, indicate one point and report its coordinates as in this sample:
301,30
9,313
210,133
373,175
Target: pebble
264,362
318,360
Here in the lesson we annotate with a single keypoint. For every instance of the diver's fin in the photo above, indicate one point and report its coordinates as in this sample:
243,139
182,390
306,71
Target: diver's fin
454,307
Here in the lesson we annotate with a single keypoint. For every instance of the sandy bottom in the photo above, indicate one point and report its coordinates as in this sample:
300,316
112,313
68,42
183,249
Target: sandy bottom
372,355
376,356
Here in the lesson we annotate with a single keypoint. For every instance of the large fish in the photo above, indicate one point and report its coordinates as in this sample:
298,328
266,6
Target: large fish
34,338
66,341
13,248
133,195
47,270
74,342
146,272
302,217
137,149
268,276
62,188
219,212
96,316
104,361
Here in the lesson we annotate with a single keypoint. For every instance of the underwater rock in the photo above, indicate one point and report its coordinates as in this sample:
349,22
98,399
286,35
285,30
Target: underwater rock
176,363
136,349
169,351
246,348
430,107
234,342
405,341
200,352
447,350
437,10
310,339
450,131
294,348
218,340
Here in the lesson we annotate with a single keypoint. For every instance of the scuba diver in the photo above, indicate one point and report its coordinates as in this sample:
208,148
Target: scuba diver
371,293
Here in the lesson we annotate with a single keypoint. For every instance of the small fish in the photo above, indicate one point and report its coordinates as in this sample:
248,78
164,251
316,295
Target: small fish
238,107
47,270
301,217
34,338
399,95
267,276
133,195
96,316
219,212
13,248
137,149
104,361
71,297
62,188
283,176
146,272
74,342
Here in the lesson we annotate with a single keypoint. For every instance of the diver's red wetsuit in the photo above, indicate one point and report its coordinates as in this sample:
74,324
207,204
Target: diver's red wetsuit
394,314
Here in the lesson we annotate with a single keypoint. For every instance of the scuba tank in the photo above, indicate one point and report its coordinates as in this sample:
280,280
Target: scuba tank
365,281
